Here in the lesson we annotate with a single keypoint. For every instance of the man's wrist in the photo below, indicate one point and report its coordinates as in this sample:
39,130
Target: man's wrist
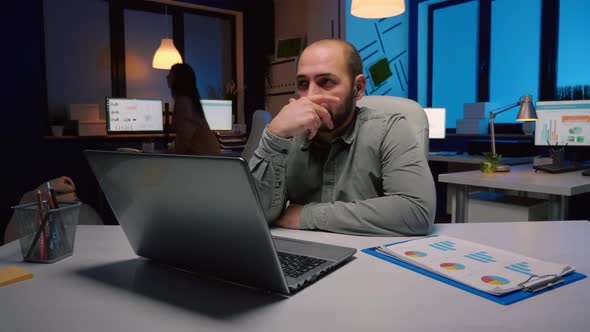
276,132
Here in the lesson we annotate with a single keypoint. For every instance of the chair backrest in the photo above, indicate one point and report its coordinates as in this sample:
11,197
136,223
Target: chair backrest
259,121
409,108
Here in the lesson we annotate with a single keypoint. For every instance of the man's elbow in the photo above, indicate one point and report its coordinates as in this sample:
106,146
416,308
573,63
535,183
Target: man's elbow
419,221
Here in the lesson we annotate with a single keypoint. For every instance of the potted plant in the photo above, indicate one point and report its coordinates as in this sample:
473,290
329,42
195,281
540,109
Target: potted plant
489,162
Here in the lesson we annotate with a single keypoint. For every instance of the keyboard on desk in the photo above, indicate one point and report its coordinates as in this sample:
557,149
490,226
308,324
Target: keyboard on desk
295,265
550,168
444,153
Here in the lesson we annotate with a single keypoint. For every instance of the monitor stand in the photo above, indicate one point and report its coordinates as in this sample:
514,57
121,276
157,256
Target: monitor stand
560,168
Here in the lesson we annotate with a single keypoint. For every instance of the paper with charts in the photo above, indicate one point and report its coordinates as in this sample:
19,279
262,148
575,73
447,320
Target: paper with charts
484,268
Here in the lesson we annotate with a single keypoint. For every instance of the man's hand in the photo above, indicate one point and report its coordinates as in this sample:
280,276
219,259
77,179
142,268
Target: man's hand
303,115
290,217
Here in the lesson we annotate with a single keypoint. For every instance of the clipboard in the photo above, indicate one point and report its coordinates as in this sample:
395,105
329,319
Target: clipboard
505,299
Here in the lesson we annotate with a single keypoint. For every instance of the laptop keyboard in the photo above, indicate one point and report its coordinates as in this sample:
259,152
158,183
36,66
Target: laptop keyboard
295,265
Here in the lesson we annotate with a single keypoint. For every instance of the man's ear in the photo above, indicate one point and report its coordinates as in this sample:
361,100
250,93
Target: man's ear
360,83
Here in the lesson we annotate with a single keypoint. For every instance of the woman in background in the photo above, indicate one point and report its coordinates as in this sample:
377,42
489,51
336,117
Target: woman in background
193,135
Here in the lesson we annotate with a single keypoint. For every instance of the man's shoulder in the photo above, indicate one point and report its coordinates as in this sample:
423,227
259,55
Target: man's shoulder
370,114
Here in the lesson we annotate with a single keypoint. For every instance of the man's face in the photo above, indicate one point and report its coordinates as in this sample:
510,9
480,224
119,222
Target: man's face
322,70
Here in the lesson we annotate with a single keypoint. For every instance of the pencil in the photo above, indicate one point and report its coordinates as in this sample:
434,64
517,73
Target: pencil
42,244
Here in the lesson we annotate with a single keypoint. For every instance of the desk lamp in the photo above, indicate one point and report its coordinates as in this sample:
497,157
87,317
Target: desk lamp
526,113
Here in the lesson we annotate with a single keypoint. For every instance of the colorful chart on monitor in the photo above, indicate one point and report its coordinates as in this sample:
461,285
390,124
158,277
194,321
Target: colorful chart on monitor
452,266
415,254
495,280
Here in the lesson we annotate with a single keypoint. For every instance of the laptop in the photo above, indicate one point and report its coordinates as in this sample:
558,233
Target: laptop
202,214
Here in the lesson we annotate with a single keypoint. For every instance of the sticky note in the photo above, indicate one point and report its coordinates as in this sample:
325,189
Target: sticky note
13,274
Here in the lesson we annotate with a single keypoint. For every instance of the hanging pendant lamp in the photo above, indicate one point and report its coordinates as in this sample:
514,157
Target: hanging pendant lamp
166,55
377,8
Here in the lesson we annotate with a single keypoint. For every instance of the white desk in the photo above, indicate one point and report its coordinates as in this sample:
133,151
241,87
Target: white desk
474,159
104,287
521,178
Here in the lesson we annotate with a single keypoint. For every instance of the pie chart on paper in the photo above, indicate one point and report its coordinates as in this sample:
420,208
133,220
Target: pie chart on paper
495,280
452,266
415,254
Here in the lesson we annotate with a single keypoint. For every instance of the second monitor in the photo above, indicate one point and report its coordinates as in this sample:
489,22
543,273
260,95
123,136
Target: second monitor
218,113
436,122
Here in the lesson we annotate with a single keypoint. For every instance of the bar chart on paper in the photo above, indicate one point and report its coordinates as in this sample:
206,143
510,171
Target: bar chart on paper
484,268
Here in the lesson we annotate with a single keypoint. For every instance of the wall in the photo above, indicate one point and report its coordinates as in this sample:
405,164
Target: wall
77,54
23,105
383,46
377,40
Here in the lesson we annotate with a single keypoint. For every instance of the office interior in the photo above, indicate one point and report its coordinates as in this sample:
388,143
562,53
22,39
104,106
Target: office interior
440,53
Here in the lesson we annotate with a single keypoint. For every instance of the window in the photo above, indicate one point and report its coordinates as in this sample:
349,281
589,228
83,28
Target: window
515,51
573,45
454,58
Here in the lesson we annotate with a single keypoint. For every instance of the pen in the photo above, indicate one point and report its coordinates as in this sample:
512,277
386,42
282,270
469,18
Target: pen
37,235
42,244
60,223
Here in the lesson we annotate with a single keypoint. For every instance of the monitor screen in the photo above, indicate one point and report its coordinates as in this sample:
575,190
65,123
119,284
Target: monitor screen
218,113
436,122
563,123
134,115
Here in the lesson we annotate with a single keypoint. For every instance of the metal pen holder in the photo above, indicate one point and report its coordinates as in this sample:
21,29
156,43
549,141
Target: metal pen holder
557,156
46,235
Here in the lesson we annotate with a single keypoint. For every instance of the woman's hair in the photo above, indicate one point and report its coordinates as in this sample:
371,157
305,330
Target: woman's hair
184,83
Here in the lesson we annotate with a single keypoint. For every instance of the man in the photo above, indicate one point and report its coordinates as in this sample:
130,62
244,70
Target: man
341,168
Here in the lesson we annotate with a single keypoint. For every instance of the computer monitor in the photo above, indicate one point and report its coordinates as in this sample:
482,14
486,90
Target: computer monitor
563,127
218,113
134,115
561,123
436,122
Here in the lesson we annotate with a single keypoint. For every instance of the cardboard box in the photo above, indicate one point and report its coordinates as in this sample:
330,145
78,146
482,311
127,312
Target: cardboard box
95,128
477,110
472,126
83,112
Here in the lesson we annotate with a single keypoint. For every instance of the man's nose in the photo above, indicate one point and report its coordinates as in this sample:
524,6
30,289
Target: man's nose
313,89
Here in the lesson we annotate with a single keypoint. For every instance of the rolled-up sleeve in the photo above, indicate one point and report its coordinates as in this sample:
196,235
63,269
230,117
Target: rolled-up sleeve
408,204
268,168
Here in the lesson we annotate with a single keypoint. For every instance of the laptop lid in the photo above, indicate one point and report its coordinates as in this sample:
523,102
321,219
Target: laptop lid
200,214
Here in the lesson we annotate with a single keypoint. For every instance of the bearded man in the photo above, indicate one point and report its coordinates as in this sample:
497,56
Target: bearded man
325,164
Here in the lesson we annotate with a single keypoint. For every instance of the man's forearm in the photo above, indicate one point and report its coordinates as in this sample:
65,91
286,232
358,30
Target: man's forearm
268,165
393,215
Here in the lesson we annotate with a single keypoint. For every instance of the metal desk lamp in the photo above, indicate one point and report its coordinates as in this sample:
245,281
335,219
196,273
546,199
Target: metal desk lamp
526,113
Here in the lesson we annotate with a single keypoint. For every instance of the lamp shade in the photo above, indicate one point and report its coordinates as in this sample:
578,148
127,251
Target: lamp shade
527,110
377,8
166,56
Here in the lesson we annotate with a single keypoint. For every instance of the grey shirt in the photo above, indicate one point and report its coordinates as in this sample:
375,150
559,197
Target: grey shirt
373,180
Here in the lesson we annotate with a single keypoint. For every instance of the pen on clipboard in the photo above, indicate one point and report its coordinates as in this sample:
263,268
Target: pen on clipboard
537,283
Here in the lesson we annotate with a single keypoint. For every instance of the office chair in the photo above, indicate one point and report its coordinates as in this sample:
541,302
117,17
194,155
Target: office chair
260,119
413,112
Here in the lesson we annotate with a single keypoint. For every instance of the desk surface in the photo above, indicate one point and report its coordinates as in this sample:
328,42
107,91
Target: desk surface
524,178
105,287
464,158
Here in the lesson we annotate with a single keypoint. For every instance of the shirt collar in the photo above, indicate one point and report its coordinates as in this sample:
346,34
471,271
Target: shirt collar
351,132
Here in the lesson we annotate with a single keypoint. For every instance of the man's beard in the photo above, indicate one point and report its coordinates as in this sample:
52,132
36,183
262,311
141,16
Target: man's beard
340,116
